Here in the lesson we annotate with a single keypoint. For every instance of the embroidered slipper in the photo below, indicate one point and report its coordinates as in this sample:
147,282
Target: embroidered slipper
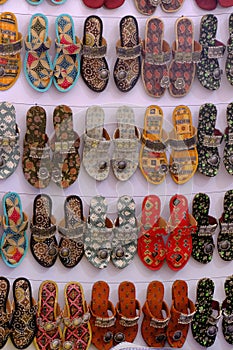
227,310
113,4
125,233
182,227
36,151
94,67
5,311
77,331
225,239
96,157
98,236
152,159
208,69
14,241
209,139
43,242
156,55
127,313
93,4
24,314
171,5
126,139
182,312
64,144
127,68
9,140
182,140
102,316
151,246
186,52
67,60
48,318
146,7
156,316
38,67
207,4
228,137
204,322
72,229
202,240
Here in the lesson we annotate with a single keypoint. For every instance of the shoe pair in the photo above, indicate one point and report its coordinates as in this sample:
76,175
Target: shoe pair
109,4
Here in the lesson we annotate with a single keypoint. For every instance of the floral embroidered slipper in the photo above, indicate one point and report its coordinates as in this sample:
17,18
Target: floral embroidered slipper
186,54
202,240
146,7
48,318
11,45
102,316
72,229
38,68
207,4
94,67
125,233
77,331
151,246
171,5
113,4
5,311
225,239
14,241
93,4
98,236
127,313
67,60
9,140
182,226
156,316
182,140
208,69
24,314
229,59
156,55
208,312
227,310
36,151
126,139
127,68
43,242
64,144
96,157
228,137
209,139
152,159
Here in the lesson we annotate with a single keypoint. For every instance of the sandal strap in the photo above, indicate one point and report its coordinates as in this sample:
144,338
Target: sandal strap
158,58
10,140
182,317
48,325
65,147
78,321
187,143
213,318
126,53
38,45
68,49
226,227
126,234
39,152
228,136
74,232
216,51
188,57
208,230
95,51
104,322
41,233
102,145
156,145
129,321
212,140
12,48
157,322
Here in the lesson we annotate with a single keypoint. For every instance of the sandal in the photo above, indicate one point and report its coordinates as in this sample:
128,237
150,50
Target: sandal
229,59
127,68
43,242
5,311
227,310
9,140
207,5
113,4
228,137
225,3
151,246
171,6
156,316
93,4
225,239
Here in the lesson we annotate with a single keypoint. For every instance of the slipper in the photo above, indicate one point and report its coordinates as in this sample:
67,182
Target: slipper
207,5
38,67
227,310
14,241
186,52
229,59
182,140
5,311
93,4
72,229
43,242
9,140
94,67
225,3
202,240
58,2
113,4
182,227
171,5
146,7
156,316
182,312
127,313
24,314
67,60
156,55
228,137
225,239
125,233
208,312
10,47
64,144
48,318
35,2
96,157
102,316
127,68
209,140
77,330
151,246
98,236
36,151
152,159
208,69
125,139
